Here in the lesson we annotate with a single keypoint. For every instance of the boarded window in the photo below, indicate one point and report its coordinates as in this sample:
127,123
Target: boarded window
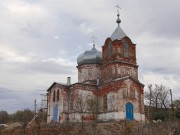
71,102
111,102
126,50
109,50
54,94
125,93
105,103
132,93
58,95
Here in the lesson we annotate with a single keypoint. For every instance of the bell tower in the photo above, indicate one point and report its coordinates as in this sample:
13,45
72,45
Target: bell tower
118,56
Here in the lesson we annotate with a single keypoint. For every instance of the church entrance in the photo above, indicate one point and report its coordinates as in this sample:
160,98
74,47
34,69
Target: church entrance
129,111
55,113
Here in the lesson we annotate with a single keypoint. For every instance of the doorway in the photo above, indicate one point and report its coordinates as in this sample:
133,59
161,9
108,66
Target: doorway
55,113
129,111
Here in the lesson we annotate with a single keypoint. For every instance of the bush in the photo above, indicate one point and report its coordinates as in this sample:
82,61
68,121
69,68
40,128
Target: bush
178,115
4,117
162,115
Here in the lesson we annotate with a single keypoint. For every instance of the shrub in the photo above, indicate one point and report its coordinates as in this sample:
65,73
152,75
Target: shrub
162,115
178,115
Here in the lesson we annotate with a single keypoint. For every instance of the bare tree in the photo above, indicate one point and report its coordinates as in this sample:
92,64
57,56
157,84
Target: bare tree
177,104
4,117
80,106
94,107
157,96
163,96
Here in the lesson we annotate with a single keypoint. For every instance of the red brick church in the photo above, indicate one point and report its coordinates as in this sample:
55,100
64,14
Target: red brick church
111,76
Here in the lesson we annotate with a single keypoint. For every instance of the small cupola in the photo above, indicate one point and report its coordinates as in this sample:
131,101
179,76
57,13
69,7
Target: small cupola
92,56
118,34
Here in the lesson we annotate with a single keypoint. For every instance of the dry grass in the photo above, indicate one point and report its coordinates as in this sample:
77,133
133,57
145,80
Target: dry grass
113,128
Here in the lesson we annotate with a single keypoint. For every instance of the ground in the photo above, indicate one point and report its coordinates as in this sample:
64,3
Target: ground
108,128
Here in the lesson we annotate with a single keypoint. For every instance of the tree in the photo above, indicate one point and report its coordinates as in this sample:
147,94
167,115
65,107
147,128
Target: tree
177,107
22,116
4,117
157,96
177,104
94,107
80,106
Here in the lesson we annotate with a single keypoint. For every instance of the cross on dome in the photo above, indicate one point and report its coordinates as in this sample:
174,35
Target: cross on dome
118,20
118,8
93,39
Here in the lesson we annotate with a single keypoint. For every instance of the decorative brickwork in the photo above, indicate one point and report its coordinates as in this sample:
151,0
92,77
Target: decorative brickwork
119,91
88,72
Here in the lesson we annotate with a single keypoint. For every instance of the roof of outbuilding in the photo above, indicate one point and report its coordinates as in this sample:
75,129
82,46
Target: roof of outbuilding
62,84
66,86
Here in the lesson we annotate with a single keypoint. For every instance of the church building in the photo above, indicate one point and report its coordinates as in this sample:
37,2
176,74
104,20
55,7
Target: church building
110,76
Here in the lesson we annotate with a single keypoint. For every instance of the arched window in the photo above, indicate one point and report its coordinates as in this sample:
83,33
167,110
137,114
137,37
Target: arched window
58,95
109,50
71,102
111,102
132,93
126,49
54,94
105,103
124,92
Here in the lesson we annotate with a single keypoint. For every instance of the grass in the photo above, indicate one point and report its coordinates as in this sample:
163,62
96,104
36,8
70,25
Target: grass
111,128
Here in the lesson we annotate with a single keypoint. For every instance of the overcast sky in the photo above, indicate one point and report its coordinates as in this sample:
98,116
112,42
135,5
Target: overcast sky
40,41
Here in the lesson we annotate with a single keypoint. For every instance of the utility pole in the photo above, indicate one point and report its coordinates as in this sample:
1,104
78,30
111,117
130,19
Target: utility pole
35,106
44,106
43,101
172,106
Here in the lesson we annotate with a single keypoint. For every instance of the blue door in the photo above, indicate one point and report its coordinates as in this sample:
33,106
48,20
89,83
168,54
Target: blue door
129,111
55,113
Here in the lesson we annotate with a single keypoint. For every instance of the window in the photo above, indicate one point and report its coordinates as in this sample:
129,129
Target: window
54,94
111,102
109,50
105,103
58,95
132,93
71,102
126,50
125,93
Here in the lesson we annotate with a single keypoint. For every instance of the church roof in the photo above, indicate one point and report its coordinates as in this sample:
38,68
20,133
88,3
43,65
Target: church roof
118,34
67,86
92,56
129,77
62,84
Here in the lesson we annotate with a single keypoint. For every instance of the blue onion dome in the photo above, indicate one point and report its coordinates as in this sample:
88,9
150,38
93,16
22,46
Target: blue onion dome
90,57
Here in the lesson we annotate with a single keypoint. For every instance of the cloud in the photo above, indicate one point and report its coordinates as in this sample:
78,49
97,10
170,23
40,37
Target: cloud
12,101
171,81
9,55
40,40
